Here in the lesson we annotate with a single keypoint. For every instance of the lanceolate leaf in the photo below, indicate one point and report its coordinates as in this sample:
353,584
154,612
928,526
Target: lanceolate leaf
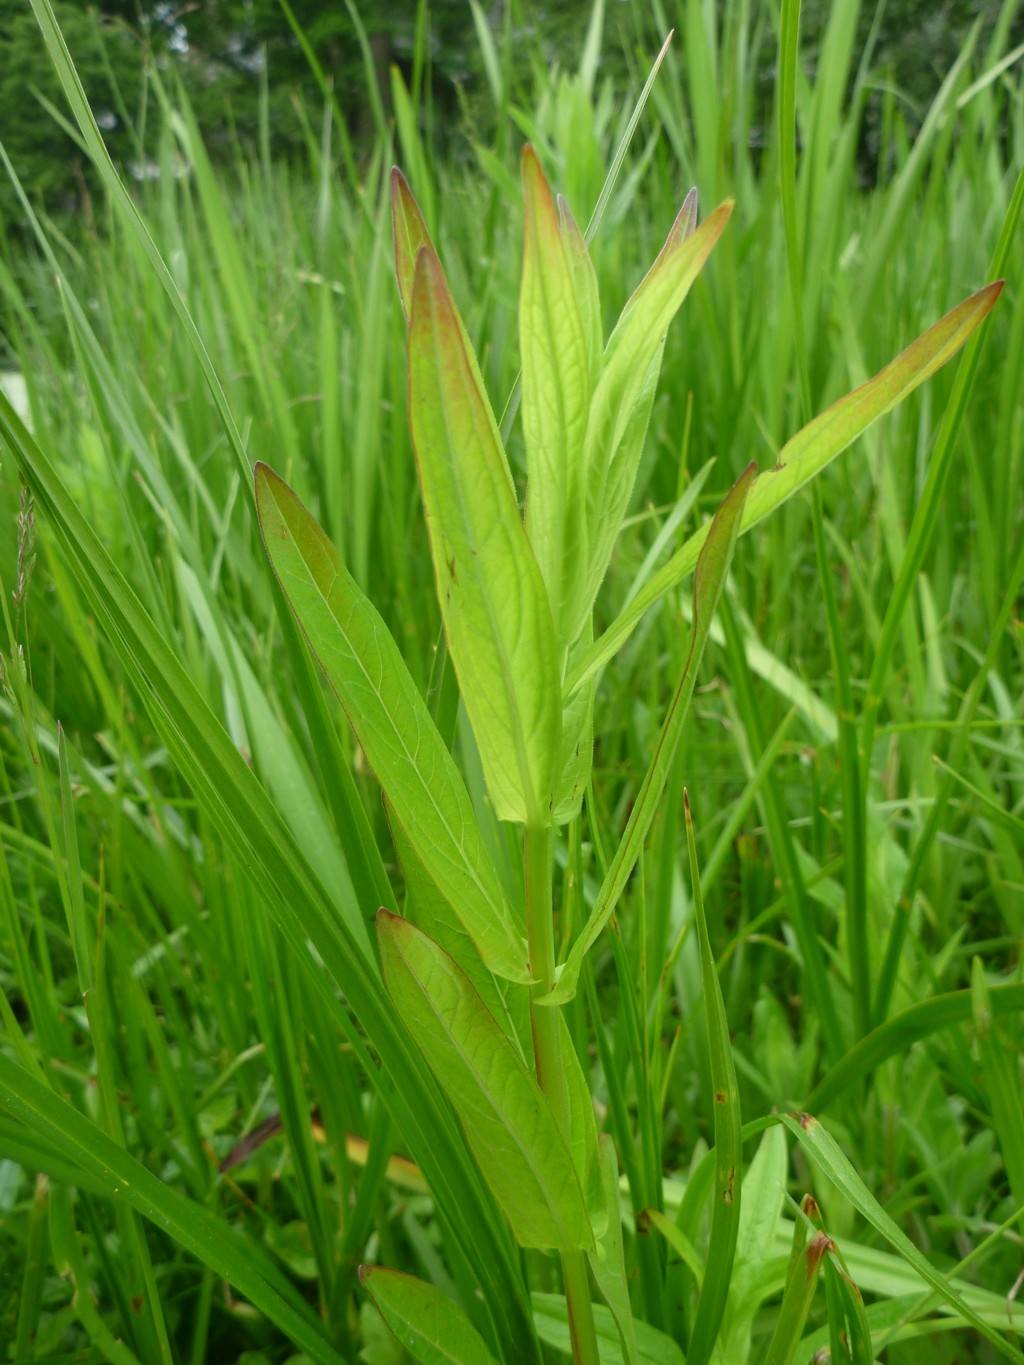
433,1329
507,1119
495,608
807,454
622,401
391,722
556,394
707,588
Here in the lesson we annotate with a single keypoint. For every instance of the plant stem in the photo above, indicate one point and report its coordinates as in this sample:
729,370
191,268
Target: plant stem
547,1048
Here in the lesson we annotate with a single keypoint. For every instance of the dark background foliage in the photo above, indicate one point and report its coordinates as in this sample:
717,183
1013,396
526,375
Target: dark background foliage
236,57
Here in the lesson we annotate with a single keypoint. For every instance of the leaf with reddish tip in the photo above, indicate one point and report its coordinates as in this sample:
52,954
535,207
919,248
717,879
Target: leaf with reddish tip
410,234
621,405
828,1156
429,1325
508,1122
556,395
806,455
707,589
493,601
391,722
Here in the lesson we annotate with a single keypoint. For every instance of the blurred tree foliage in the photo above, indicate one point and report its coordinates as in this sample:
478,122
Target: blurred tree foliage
231,54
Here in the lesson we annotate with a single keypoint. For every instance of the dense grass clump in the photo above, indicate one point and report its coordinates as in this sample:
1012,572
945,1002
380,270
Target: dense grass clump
211,1114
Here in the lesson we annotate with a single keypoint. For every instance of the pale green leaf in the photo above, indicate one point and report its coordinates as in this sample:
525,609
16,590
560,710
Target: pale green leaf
506,1117
585,288
621,404
430,1326
556,395
391,722
577,742
806,455
492,596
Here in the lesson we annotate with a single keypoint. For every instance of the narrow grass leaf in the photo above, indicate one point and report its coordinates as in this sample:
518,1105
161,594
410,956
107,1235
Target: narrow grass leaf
492,596
232,799
899,1033
823,1148
128,210
507,1120
124,1178
33,1272
725,1207
556,394
807,454
390,720
621,404
855,1332
801,1282
1001,1070
678,1241
715,558
608,1262
430,1326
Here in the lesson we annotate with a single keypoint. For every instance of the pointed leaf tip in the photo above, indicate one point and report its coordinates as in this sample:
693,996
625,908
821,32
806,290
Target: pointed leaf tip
410,236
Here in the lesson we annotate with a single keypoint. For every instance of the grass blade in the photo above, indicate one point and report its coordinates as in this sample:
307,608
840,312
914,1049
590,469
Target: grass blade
126,1179
707,588
725,1208
608,1263
252,830
825,1151
898,1034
